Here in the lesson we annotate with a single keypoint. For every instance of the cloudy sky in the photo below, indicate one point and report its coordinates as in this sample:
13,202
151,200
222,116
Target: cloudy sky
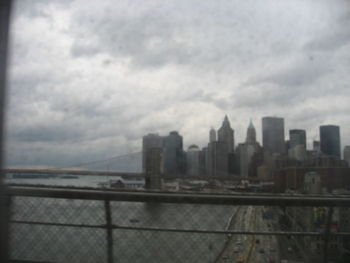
89,78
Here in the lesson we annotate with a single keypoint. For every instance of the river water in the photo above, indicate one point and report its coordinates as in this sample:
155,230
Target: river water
82,244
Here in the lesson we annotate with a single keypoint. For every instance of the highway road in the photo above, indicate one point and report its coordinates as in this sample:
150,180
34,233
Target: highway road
264,248
252,248
239,247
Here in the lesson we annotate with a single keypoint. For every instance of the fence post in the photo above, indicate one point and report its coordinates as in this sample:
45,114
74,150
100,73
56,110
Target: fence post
326,234
5,12
109,231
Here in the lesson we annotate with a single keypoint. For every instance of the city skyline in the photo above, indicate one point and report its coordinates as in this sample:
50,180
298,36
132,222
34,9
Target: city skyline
249,158
79,90
287,134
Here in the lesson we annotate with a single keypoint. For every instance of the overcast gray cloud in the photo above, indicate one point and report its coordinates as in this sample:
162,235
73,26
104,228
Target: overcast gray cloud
89,78
336,37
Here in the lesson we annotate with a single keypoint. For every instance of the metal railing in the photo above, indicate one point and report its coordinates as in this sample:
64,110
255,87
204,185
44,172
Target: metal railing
124,226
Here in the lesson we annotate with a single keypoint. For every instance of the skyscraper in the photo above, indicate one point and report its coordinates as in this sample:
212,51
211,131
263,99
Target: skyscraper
212,135
203,161
216,155
174,157
226,135
273,135
153,168
217,159
193,160
150,141
316,146
330,140
297,137
247,150
297,144
347,154
251,134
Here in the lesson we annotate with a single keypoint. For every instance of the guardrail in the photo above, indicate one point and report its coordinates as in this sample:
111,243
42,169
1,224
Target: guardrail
27,202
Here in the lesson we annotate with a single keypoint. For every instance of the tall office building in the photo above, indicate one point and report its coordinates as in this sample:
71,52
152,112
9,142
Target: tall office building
297,137
153,168
273,135
150,141
297,145
212,135
316,146
287,145
330,140
251,134
298,152
247,150
219,153
193,157
203,161
226,135
174,157
347,154
217,159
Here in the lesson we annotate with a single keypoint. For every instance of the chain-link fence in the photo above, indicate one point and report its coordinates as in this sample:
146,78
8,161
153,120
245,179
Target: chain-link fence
92,226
